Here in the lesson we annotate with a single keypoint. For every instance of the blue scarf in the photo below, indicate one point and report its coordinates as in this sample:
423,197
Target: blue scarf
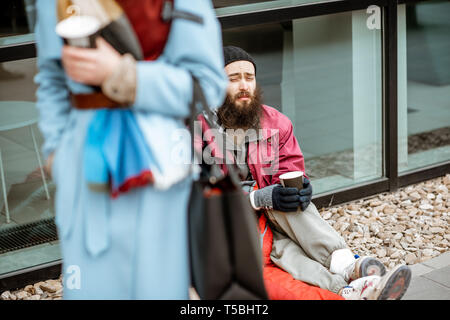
116,155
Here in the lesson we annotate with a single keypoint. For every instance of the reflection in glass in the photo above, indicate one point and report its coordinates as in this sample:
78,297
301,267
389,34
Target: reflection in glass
424,84
324,73
17,17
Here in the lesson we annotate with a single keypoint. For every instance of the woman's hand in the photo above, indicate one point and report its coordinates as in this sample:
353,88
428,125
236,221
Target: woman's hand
90,66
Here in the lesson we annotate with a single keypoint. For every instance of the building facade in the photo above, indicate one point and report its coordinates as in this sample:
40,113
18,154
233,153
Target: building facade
365,83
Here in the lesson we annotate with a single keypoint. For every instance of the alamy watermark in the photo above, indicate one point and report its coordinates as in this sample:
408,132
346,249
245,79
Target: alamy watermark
374,20
72,279
216,146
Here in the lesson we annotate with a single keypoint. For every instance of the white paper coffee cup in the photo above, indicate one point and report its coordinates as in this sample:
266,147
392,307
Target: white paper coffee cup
79,31
293,179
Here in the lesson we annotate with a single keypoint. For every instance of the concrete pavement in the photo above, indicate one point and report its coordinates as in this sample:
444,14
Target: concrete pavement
430,279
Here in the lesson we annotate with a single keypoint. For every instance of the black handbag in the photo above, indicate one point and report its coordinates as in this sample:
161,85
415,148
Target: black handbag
225,251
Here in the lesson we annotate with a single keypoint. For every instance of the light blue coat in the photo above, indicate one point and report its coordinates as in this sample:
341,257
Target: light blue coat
133,247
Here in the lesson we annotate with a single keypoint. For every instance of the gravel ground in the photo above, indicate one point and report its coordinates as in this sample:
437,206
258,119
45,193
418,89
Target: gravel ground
405,227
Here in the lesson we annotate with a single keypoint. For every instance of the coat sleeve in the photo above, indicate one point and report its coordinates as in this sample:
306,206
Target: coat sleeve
52,93
165,85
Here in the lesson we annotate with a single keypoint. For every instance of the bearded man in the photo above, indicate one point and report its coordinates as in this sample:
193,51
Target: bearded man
306,246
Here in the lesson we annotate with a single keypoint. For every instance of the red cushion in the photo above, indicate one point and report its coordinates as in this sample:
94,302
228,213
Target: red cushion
280,285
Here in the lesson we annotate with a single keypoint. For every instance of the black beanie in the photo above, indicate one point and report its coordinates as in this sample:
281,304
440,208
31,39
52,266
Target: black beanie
232,54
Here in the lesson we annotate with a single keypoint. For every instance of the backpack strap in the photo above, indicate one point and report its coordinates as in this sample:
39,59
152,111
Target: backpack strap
168,13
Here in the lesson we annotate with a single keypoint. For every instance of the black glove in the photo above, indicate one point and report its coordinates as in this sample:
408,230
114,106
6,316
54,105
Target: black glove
305,194
285,199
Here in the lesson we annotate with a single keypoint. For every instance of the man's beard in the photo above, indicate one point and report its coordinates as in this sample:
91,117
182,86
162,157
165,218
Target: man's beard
244,116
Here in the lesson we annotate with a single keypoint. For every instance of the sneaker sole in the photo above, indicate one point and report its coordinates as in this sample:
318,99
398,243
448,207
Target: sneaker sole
370,267
394,285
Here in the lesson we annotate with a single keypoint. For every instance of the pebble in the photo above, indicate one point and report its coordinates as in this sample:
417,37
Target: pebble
375,203
7,295
437,230
396,255
426,206
22,295
51,286
415,196
37,288
381,253
327,215
398,236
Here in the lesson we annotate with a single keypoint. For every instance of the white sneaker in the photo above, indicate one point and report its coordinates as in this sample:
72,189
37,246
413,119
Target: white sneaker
350,293
343,262
392,286
366,266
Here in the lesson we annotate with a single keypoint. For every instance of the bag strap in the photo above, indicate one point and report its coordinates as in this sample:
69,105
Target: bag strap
199,97
169,13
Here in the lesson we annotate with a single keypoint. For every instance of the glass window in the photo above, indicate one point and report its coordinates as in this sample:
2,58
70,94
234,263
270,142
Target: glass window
17,21
230,3
17,17
324,73
27,229
423,84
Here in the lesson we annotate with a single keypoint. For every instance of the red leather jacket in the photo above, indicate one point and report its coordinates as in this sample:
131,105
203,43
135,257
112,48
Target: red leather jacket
278,152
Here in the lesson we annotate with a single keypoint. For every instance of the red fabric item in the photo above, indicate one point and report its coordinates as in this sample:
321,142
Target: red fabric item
280,285
151,30
283,152
141,180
